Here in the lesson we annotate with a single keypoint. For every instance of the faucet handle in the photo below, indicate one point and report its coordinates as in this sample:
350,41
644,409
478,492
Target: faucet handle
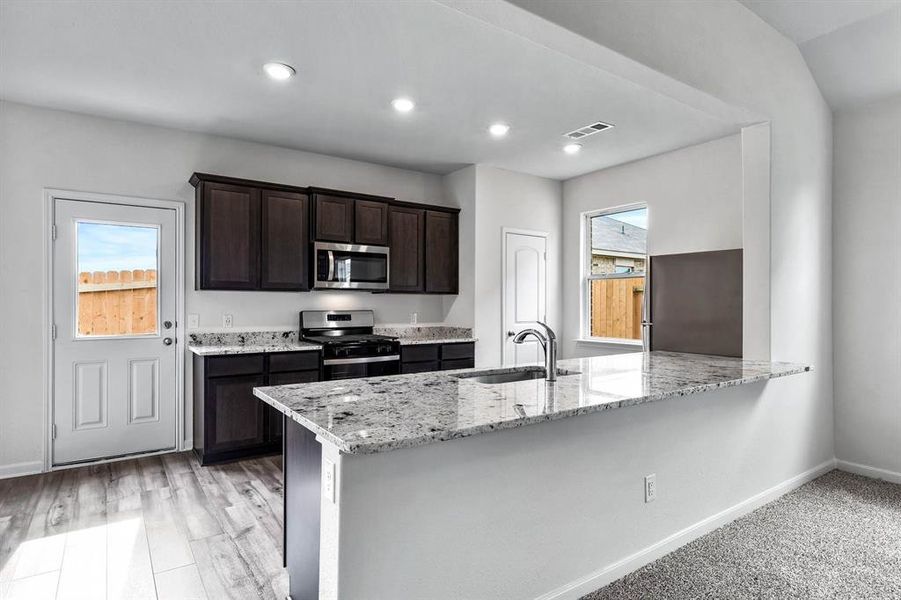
511,333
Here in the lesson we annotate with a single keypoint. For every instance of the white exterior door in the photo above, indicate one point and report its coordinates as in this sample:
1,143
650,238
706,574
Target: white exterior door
114,307
525,294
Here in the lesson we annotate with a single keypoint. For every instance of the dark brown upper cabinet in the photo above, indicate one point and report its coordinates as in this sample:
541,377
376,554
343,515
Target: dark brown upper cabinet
334,218
441,252
228,235
350,218
406,227
285,241
251,235
371,222
256,235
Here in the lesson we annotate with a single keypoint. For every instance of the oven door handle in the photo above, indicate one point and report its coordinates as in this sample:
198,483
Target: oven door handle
360,361
331,265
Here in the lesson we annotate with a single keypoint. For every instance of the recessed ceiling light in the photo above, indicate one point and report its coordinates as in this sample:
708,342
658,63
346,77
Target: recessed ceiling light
572,148
499,129
279,71
403,105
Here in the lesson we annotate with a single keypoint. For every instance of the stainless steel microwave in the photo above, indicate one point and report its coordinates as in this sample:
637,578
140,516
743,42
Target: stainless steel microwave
350,266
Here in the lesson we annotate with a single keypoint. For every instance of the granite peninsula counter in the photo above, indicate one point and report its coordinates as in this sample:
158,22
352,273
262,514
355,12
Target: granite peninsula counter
364,416
377,508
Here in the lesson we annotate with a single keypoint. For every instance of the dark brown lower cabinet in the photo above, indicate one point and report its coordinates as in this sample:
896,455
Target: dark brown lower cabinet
229,421
422,358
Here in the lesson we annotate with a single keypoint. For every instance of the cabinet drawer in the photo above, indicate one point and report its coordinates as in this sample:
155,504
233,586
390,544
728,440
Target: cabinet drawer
460,363
419,367
244,364
293,361
289,377
455,351
419,353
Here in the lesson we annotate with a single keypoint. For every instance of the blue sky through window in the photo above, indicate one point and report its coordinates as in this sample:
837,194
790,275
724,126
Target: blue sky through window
637,217
107,247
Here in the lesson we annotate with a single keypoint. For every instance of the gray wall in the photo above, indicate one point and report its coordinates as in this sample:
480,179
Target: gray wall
868,288
44,148
694,199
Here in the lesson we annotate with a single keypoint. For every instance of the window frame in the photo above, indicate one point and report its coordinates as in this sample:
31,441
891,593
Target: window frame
586,277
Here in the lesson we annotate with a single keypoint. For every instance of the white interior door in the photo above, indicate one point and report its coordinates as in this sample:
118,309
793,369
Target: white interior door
114,307
525,294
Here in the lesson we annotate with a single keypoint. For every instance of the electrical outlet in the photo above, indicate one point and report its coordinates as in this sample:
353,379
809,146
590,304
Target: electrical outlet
414,318
227,321
328,480
650,487
193,321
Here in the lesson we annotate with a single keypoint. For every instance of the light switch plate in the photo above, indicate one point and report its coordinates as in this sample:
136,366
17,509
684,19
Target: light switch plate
227,320
328,480
193,321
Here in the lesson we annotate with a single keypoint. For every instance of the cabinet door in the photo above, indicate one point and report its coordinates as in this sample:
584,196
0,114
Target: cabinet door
273,417
285,241
441,252
407,228
229,232
234,417
371,222
334,219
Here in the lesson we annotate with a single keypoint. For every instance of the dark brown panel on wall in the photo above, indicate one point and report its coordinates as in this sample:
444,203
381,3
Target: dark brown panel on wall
696,302
285,241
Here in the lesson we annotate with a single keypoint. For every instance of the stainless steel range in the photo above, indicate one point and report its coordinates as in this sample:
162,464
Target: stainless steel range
349,346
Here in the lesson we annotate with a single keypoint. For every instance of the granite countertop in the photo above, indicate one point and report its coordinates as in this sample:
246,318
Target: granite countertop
413,341
411,335
251,348
378,414
249,342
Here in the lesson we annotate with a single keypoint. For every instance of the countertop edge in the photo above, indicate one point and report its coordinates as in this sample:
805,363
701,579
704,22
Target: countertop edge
376,448
233,350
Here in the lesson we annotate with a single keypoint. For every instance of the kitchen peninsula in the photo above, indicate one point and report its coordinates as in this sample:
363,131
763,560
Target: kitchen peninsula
472,518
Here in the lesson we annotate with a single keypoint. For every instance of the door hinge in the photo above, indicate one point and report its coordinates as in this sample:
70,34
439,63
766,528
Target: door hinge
54,431
53,331
53,232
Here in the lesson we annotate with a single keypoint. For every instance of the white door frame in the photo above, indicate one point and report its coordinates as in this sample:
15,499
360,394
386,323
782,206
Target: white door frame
51,195
504,232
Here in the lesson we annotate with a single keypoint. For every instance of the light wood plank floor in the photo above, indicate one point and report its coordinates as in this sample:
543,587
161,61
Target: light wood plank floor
161,527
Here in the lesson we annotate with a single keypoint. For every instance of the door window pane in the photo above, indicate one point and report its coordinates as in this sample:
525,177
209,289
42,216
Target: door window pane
117,279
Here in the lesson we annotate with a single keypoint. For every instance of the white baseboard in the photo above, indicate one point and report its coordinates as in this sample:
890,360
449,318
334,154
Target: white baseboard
610,573
20,469
867,471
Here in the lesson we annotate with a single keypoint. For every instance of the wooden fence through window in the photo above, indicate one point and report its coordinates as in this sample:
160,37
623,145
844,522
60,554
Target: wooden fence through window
117,302
616,307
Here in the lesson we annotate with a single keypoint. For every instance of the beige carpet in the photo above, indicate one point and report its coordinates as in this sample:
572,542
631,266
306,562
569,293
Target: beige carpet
837,537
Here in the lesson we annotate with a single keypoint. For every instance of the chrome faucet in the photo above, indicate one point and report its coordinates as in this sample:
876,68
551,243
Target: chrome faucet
548,341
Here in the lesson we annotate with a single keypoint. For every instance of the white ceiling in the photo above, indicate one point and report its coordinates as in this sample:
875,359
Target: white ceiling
197,66
803,20
852,47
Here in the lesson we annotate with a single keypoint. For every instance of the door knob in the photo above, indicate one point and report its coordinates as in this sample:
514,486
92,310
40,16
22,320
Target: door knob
167,341
167,324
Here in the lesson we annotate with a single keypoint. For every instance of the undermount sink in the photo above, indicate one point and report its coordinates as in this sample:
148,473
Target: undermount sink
496,377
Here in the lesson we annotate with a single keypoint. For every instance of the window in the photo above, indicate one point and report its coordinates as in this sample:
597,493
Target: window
616,256
117,279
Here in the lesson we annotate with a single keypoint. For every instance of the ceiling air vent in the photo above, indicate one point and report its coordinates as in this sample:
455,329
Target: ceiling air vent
578,134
